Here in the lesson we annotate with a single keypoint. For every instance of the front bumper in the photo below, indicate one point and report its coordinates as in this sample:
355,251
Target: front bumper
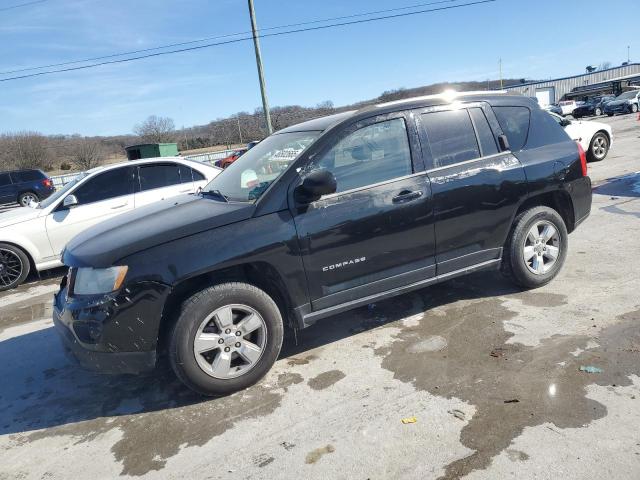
102,362
114,333
617,109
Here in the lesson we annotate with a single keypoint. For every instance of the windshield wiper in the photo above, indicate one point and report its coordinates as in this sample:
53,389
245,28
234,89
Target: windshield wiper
216,193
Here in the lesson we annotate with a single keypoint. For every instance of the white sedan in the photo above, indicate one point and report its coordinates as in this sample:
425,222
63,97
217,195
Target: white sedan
35,237
594,137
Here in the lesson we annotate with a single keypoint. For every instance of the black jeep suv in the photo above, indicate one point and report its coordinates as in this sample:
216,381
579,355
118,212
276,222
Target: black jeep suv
317,219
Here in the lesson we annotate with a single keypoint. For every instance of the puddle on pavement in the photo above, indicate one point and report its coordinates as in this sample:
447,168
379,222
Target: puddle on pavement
25,312
470,369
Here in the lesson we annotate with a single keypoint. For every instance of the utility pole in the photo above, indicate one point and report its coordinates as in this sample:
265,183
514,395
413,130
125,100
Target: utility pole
628,55
239,130
500,66
263,88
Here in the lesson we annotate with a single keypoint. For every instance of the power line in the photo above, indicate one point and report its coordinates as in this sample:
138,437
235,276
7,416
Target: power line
218,37
237,40
12,7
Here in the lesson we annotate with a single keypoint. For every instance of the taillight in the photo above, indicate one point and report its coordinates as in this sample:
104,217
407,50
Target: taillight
583,160
47,183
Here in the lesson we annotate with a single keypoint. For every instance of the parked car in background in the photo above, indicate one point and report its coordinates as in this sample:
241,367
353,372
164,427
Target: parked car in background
568,106
319,218
626,102
228,160
594,137
36,236
593,106
24,187
552,107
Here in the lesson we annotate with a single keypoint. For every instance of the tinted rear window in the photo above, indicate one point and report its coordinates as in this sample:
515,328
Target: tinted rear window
485,135
515,124
451,137
26,176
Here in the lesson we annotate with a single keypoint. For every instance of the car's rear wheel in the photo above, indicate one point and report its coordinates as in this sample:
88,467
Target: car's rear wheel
227,338
634,108
598,112
14,266
599,147
536,248
24,199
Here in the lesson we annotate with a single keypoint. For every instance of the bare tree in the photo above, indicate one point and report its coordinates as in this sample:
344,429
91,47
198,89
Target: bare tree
87,153
156,130
604,65
25,150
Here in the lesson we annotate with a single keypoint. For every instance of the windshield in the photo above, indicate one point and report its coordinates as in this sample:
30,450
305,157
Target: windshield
246,179
627,95
62,192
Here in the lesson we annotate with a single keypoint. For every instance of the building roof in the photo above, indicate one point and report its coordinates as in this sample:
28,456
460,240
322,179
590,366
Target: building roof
596,72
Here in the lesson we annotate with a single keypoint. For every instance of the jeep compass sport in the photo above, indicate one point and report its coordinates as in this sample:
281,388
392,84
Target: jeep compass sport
317,219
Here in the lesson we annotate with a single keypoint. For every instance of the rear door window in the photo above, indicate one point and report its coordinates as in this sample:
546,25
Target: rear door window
485,135
515,124
163,175
450,136
197,176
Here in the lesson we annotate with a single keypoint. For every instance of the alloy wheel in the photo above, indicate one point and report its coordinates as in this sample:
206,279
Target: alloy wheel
27,198
10,267
541,247
230,341
598,112
599,147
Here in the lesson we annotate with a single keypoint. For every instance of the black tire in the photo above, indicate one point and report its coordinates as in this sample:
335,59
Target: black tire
24,196
597,112
14,266
599,143
193,313
514,266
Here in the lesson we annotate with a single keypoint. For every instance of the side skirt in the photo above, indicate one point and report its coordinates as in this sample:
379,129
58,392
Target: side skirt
307,318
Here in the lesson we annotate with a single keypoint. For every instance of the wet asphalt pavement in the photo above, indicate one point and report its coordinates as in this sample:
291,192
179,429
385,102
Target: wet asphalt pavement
490,373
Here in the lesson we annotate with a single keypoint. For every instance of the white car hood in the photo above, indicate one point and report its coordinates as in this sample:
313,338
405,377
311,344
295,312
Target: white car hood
18,215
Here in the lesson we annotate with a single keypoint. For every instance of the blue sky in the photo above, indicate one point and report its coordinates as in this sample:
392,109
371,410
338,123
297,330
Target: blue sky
535,39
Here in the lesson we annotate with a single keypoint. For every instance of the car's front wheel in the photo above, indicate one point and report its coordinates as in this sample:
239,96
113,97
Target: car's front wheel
14,266
226,338
598,112
599,147
536,248
634,108
24,199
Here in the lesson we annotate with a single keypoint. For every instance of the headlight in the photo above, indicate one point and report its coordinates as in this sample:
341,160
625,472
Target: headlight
93,281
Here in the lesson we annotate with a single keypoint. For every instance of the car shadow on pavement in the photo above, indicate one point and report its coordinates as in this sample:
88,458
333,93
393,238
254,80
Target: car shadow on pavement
42,388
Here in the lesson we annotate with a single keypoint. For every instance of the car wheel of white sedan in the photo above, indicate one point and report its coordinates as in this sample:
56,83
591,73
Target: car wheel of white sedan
599,147
14,266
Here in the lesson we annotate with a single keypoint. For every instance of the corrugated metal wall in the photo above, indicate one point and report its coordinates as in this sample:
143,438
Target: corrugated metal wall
563,86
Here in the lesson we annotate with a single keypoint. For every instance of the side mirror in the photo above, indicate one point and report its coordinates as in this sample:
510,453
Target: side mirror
504,143
314,185
70,201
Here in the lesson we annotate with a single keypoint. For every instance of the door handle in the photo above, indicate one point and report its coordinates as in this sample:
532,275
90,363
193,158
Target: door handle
120,206
406,196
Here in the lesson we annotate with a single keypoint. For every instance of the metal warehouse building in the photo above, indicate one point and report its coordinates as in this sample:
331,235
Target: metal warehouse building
610,81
